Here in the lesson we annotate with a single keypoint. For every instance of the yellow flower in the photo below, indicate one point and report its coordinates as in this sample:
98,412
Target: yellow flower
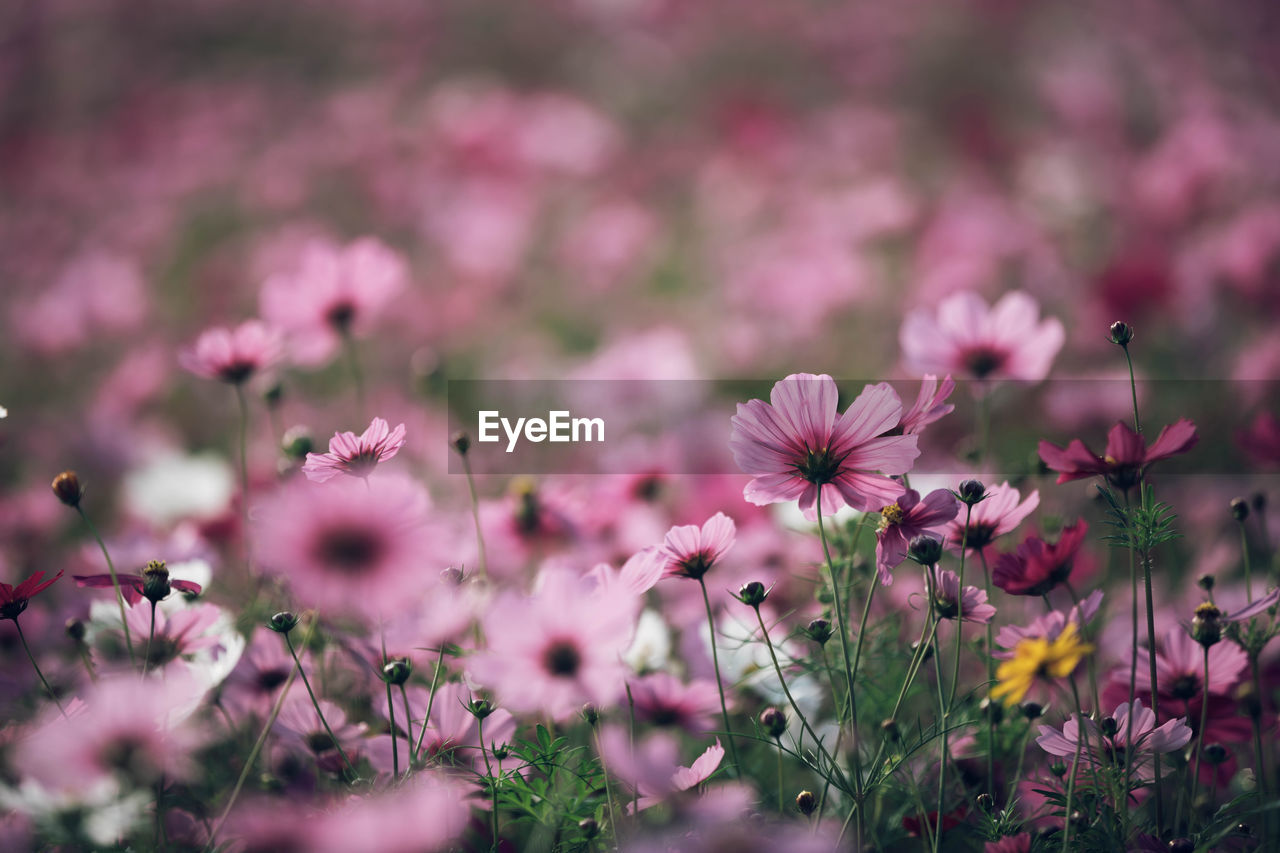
1039,657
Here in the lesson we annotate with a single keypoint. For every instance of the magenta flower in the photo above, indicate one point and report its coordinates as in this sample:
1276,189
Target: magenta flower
1020,843
348,547
233,355
1249,611
336,291
1180,669
13,599
558,649
663,700
1005,341
1036,567
949,602
1261,439
131,586
689,551
930,405
353,454
1126,456
999,513
908,517
796,447
1114,750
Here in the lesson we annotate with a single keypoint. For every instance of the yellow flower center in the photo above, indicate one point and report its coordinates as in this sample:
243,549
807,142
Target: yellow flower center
1037,657
889,516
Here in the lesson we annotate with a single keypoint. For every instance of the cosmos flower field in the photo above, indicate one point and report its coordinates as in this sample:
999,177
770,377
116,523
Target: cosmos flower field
639,425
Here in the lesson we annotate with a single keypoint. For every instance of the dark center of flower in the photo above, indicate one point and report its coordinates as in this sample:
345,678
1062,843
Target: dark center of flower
562,659
270,679
341,315
982,361
362,463
1185,686
161,651
979,535
349,550
819,466
319,742
946,608
664,715
13,609
648,488
237,371
1115,753
127,754
696,566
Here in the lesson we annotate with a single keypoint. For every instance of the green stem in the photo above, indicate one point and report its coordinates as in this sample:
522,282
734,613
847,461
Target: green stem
1204,722
115,582
943,713
991,676
353,362
1155,687
475,516
316,704
781,807
1133,389
151,635
431,700
32,658
715,661
608,791
493,784
1133,655
1071,790
1244,550
395,750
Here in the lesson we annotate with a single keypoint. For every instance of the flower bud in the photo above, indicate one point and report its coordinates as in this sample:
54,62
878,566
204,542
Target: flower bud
155,581
925,550
297,443
283,622
753,594
500,751
397,671
453,574
1032,710
773,721
819,630
986,802
1121,333
971,491
67,487
1215,754
1206,625
806,802
274,395
76,630
1259,501
1109,726
890,729
1239,509
1206,582
461,442
1181,845
1058,769
589,827
993,710
480,708
590,714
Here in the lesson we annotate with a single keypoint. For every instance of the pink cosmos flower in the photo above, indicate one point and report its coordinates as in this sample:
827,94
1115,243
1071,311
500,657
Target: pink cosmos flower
949,602
906,518
233,355
1036,567
178,633
557,649
1261,439
930,405
1259,606
1180,668
377,822
131,586
348,547
301,730
252,687
663,700
651,768
13,599
999,513
453,735
335,291
795,446
1048,626
355,455
1126,456
1005,341
128,731
639,574
1110,751
690,551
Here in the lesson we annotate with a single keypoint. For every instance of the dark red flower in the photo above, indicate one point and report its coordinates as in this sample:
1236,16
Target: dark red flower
131,586
1126,455
1036,567
950,820
13,599
1261,439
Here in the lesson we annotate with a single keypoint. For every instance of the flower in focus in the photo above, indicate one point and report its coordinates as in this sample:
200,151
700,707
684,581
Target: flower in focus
355,455
334,292
906,518
999,513
132,586
965,336
1126,455
1180,669
1115,750
930,405
347,547
1036,567
558,649
796,447
949,602
690,551
1036,658
233,355
13,599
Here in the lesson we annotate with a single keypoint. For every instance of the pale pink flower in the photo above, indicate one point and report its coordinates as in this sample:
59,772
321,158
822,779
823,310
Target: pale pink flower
663,700
931,404
965,336
795,446
999,513
453,735
377,823
233,355
639,574
557,649
353,454
908,517
335,291
350,547
301,730
650,767
949,602
690,551
1113,751
262,670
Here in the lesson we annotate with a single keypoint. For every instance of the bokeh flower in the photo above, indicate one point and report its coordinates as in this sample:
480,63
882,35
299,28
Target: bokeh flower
1116,750
1035,567
967,337
233,355
1037,658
